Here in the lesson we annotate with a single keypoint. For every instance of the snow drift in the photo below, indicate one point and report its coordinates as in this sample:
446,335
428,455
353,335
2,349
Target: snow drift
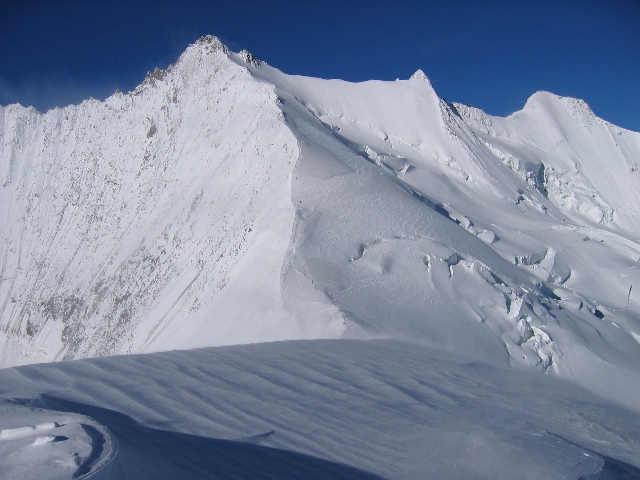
339,409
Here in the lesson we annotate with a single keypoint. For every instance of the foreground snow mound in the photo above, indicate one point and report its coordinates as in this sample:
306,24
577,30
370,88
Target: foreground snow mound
226,202
39,443
340,409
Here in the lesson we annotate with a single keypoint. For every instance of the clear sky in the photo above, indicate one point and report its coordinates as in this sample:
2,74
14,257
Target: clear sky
491,54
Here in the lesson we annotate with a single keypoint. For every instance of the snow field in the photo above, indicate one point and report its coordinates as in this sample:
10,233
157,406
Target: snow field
333,409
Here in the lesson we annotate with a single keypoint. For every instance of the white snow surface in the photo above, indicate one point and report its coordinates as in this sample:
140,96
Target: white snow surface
145,222
472,276
340,409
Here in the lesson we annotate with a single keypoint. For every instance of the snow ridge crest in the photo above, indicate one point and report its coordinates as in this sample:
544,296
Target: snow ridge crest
209,43
420,75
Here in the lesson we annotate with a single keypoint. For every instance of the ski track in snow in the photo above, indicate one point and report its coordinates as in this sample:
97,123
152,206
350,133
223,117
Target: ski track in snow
224,202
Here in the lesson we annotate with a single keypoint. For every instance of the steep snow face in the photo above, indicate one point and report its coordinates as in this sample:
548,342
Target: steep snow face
586,166
158,219
226,202
415,223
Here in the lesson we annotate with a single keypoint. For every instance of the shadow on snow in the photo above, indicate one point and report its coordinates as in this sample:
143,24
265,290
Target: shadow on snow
149,453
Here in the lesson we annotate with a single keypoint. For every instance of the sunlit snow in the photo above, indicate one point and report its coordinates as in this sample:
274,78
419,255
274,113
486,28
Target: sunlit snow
459,293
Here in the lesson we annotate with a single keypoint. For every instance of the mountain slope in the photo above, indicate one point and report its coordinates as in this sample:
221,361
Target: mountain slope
226,202
417,228
473,280
125,219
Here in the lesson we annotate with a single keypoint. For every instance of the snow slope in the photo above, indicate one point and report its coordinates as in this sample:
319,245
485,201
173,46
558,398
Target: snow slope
225,202
416,228
339,409
144,222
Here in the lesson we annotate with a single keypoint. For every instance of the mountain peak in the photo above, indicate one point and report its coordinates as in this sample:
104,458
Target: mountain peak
539,98
210,43
420,75
205,45
576,107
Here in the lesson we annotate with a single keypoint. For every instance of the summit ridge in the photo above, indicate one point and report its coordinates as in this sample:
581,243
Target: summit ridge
292,277
340,209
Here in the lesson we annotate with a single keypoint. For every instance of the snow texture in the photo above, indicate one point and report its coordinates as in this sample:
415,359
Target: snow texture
224,202
345,409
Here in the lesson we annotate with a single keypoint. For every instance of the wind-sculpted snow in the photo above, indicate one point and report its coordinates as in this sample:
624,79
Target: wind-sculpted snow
343,409
41,443
226,202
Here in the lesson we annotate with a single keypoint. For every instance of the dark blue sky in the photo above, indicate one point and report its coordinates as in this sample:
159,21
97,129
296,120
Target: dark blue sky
492,54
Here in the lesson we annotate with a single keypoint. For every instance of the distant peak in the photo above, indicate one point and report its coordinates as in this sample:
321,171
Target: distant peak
577,107
540,97
419,76
205,45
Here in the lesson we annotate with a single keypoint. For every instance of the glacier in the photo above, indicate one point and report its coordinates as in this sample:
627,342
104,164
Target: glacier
226,203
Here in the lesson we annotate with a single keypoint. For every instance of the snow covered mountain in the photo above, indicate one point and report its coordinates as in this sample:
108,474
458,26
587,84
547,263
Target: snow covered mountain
146,222
224,202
